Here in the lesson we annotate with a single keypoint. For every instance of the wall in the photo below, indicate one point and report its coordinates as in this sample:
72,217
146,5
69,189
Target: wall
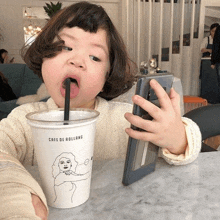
166,25
11,17
11,26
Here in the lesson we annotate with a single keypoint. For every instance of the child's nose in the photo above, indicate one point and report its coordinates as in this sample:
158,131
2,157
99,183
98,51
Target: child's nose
77,61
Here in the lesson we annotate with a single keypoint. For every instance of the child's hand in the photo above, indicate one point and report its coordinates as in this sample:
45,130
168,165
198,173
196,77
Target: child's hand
213,66
166,129
40,209
6,59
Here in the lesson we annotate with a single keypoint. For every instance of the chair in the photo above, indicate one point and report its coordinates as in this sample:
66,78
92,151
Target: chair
192,102
208,120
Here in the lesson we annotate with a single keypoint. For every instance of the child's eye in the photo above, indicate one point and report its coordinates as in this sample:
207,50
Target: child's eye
95,58
67,48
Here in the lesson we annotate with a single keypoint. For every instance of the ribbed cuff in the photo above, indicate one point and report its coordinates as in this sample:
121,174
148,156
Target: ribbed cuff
193,148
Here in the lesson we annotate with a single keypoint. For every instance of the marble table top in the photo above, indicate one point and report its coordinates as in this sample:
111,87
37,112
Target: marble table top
190,192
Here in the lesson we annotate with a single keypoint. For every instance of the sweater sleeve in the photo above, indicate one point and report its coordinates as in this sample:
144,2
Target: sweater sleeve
194,139
16,150
16,187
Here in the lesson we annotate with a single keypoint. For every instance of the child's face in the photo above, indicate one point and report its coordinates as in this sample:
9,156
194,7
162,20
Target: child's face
87,62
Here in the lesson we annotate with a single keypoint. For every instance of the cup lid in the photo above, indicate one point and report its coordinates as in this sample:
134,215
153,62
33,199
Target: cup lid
56,117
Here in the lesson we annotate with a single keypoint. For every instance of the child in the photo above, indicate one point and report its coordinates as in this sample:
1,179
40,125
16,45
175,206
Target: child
80,42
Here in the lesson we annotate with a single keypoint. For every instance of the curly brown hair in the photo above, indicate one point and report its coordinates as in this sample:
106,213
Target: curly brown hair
89,17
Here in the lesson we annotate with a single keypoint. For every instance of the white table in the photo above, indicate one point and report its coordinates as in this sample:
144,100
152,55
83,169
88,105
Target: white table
190,192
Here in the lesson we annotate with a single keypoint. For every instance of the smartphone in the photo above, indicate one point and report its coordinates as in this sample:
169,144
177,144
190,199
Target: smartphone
142,155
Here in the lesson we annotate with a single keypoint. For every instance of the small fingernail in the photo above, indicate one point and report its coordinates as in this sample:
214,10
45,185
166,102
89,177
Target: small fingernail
153,81
127,130
125,115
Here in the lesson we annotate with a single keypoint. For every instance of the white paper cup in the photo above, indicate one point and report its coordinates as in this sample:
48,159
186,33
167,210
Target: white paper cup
64,151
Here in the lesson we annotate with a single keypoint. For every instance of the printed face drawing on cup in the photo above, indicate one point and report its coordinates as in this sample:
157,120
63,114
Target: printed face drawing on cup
65,173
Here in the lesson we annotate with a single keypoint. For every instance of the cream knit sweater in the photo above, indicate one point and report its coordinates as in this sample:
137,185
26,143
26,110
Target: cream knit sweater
16,150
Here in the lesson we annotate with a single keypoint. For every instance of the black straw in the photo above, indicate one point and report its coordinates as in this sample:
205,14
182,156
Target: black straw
67,100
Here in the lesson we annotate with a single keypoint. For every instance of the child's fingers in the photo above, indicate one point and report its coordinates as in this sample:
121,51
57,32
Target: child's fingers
161,94
140,135
153,110
39,207
175,100
139,122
